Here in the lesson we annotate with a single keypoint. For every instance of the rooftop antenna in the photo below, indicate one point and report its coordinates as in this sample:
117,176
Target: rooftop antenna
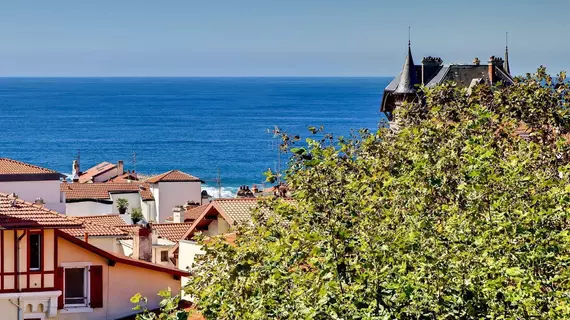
409,36
219,183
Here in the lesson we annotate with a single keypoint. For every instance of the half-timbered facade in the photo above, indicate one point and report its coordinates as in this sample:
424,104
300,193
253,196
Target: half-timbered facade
47,273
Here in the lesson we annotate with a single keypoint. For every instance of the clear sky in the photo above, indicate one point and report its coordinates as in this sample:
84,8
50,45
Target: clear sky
273,37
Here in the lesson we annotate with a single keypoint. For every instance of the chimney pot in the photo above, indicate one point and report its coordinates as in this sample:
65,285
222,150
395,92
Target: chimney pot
476,61
39,201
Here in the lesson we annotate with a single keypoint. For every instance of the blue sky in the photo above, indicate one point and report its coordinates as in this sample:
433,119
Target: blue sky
272,38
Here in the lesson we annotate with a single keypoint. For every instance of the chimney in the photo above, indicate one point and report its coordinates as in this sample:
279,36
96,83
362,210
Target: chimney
429,64
75,171
178,214
476,61
86,237
142,243
120,168
494,62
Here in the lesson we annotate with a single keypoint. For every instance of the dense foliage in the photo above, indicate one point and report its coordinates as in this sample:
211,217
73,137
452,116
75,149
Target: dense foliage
454,216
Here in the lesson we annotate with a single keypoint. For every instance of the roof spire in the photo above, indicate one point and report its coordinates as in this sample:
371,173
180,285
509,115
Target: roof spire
506,64
408,77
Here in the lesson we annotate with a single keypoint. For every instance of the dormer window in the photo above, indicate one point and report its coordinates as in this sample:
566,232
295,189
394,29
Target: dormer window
35,241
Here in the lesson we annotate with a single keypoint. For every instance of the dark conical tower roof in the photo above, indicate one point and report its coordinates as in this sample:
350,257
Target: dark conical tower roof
408,78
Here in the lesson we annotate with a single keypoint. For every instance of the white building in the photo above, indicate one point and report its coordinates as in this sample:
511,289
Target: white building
32,183
87,199
174,188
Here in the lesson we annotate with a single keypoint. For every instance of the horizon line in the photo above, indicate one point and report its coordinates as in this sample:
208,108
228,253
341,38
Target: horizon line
197,76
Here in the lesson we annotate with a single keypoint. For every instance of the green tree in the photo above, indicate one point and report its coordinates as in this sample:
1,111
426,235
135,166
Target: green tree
454,216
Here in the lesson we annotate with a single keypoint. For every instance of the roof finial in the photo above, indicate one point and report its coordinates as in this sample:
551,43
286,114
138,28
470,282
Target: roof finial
409,36
506,66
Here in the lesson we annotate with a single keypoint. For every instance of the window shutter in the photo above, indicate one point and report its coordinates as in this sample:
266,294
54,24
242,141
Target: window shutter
59,286
96,286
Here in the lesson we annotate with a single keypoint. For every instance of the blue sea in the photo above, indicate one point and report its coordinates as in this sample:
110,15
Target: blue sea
197,125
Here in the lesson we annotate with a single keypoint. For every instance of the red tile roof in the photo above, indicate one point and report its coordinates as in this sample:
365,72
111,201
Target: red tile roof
125,177
94,229
15,213
191,214
101,191
113,220
171,231
173,176
9,166
194,213
95,171
119,258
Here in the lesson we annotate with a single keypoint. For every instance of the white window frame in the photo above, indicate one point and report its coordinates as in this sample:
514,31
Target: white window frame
86,288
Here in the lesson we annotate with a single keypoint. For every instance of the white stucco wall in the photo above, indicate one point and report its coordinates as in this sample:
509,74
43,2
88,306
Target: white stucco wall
106,243
217,227
171,194
88,208
187,251
31,190
134,199
148,210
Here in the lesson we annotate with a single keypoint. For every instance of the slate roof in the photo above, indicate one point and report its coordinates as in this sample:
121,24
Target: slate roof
408,77
102,191
16,213
464,74
95,171
173,176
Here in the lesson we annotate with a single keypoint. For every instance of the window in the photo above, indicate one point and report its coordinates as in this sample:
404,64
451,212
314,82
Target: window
75,293
163,256
35,251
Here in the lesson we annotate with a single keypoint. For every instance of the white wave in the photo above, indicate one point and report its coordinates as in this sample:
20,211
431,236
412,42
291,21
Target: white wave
227,192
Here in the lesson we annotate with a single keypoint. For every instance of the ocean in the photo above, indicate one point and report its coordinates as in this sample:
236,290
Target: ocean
197,125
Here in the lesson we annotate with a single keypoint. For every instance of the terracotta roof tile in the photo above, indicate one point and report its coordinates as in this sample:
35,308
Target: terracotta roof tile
16,213
95,171
173,176
238,209
100,191
194,213
171,231
9,166
113,220
125,177
94,229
